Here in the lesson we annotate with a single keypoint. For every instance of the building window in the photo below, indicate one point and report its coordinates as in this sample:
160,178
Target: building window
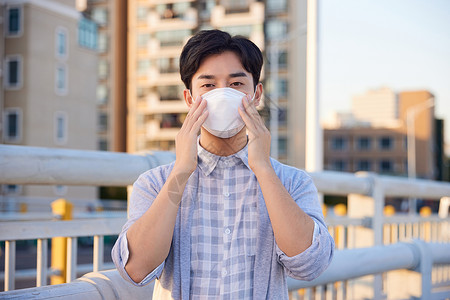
386,143
13,72
282,59
274,6
338,143
282,88
172,37
87,34
60,190
363,165
103,69
168,65
61,80
14,21
102,121
143,66
340,165
142,13
103,42
206,8
100,16
103,145
236,6
102,94
61,128
244,30
386,166
11,189
143,39
171,121
170,92
282,117
61,42
276,29
12,120
282,146
363,143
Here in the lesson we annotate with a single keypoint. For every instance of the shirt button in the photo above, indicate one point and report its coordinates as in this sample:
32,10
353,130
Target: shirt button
226,194
224,273
227,231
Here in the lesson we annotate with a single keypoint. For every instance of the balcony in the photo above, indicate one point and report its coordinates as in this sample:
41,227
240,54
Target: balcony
155,77
368,241
171,20
166,48
222,16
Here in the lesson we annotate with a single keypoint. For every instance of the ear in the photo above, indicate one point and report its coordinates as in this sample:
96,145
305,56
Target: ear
188,98
258,94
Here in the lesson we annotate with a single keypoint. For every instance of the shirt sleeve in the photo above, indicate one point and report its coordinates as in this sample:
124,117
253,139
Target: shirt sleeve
315,259
120,255
145,190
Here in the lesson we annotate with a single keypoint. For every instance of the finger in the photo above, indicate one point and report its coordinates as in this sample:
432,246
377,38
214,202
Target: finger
195,113
251,108
198,111
194,106
201,119
247,120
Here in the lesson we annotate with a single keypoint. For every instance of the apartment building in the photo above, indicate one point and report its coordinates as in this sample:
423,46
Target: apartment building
111,19
157,31
277,75
49,81
371,145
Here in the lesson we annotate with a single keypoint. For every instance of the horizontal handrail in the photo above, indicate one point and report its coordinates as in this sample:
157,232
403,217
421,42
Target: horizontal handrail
347,264
31,230
35,165
31,273
353,263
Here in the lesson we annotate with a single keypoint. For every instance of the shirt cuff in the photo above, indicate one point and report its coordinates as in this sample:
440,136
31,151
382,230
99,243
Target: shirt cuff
316,232
124,254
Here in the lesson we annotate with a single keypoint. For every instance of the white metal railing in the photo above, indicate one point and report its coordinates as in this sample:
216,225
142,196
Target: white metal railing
347,264
42,231
31,165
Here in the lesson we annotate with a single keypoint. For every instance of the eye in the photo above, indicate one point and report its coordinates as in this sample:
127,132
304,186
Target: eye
207,85
237,83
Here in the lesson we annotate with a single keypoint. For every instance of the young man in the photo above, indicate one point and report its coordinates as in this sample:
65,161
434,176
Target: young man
224,220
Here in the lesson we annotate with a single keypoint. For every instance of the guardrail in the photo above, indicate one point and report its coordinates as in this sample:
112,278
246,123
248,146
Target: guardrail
347,264
32,165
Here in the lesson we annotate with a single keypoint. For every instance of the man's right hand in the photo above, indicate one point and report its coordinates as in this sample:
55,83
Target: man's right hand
186,140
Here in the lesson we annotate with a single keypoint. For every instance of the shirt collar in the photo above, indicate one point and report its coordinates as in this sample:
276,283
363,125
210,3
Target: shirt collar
208,161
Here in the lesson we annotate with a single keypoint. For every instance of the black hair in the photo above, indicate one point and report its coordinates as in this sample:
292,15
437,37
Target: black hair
209,42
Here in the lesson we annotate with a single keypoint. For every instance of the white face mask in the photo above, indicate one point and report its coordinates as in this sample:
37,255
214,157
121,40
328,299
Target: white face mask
224,120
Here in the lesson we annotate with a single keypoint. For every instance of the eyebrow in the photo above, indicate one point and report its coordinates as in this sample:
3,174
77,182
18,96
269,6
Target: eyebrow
232,75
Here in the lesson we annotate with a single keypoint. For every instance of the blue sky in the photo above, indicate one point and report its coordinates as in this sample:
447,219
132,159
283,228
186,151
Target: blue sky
401,44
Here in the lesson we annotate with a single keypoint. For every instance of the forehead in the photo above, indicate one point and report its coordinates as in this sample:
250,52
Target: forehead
221,64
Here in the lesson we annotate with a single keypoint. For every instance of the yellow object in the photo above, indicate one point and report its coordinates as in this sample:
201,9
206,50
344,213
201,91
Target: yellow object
340,209
389,210
324,210
23,207
63,209
425,211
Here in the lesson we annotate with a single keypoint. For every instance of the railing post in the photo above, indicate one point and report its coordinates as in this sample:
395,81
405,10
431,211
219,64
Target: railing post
370,205
98,253
62,208
377,226
41,265
425,268
10,265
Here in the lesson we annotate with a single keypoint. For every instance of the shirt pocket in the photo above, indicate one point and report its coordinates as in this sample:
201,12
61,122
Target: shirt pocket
250,228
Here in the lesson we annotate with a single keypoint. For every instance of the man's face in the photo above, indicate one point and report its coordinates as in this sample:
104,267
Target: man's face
219,71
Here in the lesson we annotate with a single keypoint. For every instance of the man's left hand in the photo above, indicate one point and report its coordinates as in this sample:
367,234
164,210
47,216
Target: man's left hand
258,135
